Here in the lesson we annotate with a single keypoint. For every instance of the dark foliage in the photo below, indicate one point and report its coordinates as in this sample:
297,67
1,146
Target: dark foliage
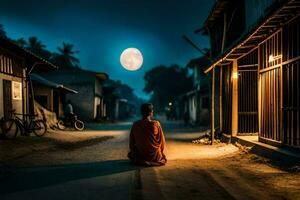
36,47
2,31
124,91
165,84
21,42
65,57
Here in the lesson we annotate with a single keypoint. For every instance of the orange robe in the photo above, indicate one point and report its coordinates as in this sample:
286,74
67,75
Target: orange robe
147,143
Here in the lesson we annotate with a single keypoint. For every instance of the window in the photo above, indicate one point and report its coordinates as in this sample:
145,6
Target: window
16,90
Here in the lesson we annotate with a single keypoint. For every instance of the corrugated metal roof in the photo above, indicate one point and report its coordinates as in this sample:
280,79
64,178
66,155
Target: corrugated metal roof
43,81
74,76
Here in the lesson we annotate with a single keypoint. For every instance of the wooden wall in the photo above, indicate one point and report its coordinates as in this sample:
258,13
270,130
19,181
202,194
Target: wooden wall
290,83
279,62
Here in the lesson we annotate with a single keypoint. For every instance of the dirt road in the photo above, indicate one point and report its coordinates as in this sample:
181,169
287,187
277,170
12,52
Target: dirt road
100,170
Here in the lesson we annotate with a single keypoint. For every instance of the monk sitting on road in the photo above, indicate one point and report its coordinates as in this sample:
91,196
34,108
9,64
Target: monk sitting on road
147,140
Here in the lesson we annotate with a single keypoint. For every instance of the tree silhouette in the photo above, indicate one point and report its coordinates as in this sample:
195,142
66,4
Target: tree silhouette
165,84
2,31
35,45
38,48
21,42
66,56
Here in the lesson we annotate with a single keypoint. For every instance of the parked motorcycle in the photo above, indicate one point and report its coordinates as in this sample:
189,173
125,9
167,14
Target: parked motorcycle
71,121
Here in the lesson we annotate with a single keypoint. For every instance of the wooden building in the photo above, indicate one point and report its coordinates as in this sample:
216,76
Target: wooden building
196,103
16,64
88,103
255,50
50,95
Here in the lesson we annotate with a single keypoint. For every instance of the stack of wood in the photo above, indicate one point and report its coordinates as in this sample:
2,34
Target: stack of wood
44,114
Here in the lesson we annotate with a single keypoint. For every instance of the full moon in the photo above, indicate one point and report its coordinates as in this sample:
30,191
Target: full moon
131,59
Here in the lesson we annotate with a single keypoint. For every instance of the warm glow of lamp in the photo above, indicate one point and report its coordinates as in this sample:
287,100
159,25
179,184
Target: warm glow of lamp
235,75
271,58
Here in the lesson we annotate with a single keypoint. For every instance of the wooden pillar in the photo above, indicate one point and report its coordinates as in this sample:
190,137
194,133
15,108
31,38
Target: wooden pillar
101,107
224,38
213,106
220,99
234,114
24,91
259,91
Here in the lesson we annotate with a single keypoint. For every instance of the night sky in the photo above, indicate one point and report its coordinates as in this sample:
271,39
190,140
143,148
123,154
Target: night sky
102,29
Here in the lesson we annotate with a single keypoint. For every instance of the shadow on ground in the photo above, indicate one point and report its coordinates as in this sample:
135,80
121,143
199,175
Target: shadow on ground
20,179
167,125
124,126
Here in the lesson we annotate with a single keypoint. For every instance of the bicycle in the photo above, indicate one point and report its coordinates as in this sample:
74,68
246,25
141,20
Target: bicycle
26,125
1,127
70,121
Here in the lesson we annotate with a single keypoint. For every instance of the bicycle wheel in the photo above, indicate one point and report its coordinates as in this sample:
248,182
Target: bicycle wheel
61,125
79,125
10,128
39,128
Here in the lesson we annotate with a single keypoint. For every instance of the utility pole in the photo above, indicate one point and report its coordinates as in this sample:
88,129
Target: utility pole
195,46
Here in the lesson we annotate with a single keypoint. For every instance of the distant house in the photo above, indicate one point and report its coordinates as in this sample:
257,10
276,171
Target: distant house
255,52
126,109
196,103
16,65
117,108
88,103
110,101
50,95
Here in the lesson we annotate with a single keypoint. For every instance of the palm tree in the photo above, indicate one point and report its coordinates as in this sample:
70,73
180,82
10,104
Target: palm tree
2,31
21,42
37,47
66,56
34,45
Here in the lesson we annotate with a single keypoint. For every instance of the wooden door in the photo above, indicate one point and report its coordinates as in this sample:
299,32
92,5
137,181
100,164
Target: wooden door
247,102
226,99
270,105
7,98
270,62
